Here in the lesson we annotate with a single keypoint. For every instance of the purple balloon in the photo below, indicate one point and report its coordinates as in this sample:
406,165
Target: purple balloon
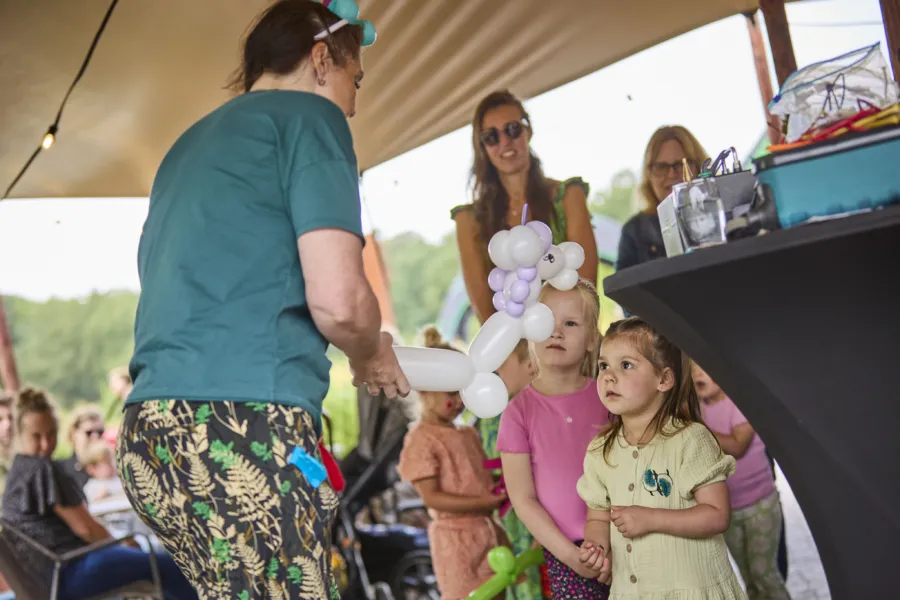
496,278
519,291
543,231
526,273
515,309
499,301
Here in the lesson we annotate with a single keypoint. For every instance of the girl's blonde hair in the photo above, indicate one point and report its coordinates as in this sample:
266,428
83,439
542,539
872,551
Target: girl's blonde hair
680,406
32,400
590,300
81,414
96,453
693,151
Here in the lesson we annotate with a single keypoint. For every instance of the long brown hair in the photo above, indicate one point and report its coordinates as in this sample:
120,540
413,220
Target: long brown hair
490,200
680,406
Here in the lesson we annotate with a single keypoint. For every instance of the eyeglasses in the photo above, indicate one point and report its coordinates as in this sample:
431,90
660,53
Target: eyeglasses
513,130
660,169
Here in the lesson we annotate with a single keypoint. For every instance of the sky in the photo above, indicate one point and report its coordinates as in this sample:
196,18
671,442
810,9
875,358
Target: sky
593,127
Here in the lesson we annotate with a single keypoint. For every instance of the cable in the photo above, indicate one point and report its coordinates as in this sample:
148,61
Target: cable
50,136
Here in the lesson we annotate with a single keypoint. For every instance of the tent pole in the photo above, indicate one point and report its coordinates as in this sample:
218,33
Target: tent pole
779,38
890,14
9,377
763,75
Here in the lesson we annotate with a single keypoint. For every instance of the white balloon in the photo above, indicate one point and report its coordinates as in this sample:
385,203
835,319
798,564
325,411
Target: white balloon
538,323
486,397
566,280
574,254
525,246
435,369
533,292
495,342
551,263
498,250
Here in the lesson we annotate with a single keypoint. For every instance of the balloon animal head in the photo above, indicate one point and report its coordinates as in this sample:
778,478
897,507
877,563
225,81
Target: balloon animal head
525,256
348,11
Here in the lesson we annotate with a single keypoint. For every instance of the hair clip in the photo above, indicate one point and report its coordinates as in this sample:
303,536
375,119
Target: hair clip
348,11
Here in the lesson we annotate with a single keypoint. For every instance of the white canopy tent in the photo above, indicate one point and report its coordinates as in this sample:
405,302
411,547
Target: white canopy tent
162,64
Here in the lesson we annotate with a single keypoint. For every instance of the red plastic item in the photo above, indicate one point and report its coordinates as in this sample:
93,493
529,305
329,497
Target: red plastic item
493,464
335,477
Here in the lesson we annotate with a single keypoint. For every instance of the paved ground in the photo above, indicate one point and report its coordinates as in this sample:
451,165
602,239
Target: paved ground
806,578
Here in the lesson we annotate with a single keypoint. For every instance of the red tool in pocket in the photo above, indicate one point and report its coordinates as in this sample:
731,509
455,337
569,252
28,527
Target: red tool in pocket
335,477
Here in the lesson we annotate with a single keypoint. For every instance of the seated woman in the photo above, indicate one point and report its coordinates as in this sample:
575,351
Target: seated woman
85,426
642,236
48,506
507,174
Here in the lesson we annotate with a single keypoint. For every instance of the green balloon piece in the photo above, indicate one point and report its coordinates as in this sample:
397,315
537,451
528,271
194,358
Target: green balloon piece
502,560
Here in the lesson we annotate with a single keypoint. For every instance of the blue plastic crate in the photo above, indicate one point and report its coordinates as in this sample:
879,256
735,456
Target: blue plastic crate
853,172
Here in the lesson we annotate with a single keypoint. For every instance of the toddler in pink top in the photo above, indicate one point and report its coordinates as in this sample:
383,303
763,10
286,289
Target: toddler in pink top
753,535
544,435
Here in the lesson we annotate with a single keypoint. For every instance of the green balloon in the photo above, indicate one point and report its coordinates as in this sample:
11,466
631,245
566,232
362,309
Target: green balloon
502,560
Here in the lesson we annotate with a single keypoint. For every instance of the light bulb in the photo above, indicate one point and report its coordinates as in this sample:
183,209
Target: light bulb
48,141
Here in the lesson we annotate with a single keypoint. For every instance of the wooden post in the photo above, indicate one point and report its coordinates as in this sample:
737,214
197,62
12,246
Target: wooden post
779,38
890,14
9,377
763,75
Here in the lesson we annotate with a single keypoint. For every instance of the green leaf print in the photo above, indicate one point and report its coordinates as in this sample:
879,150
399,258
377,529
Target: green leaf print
163,454
203,509
295,575
150,510
333,592
261,450
221,454
201,417
163,405
257,406
244,595
285,488
221,550
272,569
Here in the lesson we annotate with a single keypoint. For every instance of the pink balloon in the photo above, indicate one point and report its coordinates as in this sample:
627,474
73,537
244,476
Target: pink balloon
519,290
499,301
515,309
496,278
544,232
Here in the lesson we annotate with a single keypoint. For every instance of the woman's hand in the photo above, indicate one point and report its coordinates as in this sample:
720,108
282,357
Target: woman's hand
632,521
381,371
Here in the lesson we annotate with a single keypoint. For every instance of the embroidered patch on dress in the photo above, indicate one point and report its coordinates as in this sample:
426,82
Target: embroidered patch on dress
658,483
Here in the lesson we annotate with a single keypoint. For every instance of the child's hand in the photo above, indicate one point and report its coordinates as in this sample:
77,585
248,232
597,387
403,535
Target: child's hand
492,502
592,556
632,521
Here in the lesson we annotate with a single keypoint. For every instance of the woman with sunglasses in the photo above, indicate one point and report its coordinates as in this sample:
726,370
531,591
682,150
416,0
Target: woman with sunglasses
506,175
663,167
85,426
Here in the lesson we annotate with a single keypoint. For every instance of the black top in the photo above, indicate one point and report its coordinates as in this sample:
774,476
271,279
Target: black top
74,470
35,485
641,241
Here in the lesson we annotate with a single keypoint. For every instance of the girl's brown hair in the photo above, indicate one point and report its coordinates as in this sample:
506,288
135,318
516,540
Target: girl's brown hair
31,400
693,151
590,299
432,338
680,406
490,200
284,35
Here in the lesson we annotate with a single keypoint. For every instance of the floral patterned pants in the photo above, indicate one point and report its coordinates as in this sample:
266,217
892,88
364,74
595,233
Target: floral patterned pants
213,482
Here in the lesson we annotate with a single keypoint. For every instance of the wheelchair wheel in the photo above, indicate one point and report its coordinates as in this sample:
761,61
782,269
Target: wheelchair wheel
413,577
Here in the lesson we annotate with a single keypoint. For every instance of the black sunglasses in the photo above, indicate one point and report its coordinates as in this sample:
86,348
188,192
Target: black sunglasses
94,432
513,130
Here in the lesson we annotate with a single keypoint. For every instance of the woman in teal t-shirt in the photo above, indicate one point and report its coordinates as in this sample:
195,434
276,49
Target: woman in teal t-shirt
251,264
507,175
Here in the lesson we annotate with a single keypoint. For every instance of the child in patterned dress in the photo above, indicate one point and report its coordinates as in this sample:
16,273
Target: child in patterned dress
445,463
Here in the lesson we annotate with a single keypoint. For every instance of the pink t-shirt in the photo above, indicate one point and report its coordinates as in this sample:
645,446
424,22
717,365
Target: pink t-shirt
752,480
556,431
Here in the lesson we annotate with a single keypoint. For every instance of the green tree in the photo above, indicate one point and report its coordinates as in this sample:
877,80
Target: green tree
616,201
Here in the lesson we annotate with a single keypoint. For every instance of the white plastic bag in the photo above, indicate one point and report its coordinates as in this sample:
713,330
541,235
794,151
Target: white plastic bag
832,90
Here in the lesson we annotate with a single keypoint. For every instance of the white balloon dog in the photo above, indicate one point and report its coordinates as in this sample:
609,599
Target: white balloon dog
525,256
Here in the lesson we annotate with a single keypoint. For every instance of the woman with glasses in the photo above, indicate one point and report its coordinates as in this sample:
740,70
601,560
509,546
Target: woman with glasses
506,175
663,167
85,426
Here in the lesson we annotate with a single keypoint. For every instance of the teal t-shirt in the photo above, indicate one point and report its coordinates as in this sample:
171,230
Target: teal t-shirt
223,312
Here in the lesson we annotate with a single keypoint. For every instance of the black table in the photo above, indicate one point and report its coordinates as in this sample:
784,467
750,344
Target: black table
801,328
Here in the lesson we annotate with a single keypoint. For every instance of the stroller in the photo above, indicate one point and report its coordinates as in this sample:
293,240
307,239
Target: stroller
380,558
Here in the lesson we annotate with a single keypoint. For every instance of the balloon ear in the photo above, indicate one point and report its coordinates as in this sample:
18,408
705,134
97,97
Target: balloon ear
368,33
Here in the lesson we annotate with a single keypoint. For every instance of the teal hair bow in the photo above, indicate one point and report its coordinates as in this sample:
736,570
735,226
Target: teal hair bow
348,11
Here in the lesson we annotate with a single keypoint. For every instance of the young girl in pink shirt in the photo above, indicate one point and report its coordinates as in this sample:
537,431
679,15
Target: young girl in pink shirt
753,534
544,434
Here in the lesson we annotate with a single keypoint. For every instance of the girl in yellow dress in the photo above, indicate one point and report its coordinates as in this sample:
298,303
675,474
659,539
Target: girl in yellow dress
654,483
